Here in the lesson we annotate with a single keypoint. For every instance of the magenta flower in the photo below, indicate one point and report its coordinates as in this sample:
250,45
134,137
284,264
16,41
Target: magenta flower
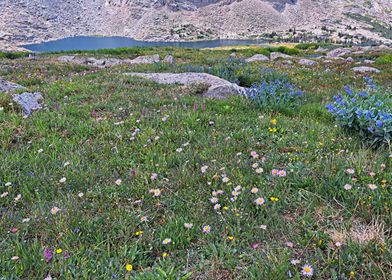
48,255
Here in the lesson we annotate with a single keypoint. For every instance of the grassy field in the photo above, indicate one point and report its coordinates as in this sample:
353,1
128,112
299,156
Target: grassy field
118,177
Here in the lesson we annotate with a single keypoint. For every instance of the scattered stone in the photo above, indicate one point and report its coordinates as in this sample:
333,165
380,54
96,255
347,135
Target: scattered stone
169,59
257,57
321,50
367,61
217,87
350,59
29,102
338,52
6,86
109,62
307,62
276,55
66,58
233,54
364,69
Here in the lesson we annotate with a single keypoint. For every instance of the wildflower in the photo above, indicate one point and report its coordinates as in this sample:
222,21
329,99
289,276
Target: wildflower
383,166
259,170
8,184
179,150
254,154
254,190
154,176
204,168
128,267
274,199
18,197
231,238
140,232
80,194
166,241
350,171
260,201
59,251
338,244
307,270
237,188
62,180
40,151
372,186
235,193
295,262
255,165
26,220
225,208
164,255
274,172
214,200
156,192
164,119
289,244
143,219
225,179
4,194
206,229
14,258
219,192
347,187
188,225
48,255
66,163
282,173
274,122
54,210
263,227
118,182
217,206
48,277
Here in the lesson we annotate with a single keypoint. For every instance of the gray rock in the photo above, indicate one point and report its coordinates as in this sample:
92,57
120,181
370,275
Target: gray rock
169,59
349,59
365,69
29,102
147,59
338,52
218,88
6,86
321,50
66,58
367,61
257,57
307,62
276,55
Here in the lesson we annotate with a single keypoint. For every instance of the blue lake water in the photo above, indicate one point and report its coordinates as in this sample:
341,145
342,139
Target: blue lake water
95,43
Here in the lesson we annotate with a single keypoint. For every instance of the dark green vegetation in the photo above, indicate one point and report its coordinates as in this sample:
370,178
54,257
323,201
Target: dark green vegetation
89,135
383,29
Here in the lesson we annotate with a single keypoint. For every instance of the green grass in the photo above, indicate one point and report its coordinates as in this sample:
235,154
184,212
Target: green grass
85,132
384,59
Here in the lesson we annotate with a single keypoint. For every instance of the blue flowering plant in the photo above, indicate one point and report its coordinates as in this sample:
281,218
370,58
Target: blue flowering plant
275,93
367,111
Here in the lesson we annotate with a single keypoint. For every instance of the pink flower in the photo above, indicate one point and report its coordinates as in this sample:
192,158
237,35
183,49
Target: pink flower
154,176
274,172
282,173
254,154
48,255
206,229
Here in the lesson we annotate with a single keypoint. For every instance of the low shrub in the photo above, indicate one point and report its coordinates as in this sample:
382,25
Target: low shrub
384,59
13,55
275,93
369,112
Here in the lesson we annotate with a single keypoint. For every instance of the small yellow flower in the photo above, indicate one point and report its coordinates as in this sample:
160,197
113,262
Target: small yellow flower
139,233
59,251
274,199
128,267
164,255
352,274
225,208
231,238
274,122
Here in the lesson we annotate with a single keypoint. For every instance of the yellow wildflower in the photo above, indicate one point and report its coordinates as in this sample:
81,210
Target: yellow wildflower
128,267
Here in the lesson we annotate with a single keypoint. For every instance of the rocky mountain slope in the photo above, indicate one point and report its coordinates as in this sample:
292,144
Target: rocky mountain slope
25,21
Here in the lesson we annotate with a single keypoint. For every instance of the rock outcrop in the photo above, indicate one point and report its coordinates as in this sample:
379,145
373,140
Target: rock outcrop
108,62
217,87
29,102
257,58
365,69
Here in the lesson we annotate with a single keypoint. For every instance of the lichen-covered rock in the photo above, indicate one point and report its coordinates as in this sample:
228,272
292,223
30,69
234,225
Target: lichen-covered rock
29,102
217,87
307,62
365,69
6,86
276,55
257,58
169,59
338,52
146,59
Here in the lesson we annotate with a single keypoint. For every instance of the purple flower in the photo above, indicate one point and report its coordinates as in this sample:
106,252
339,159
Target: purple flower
379,123
48,255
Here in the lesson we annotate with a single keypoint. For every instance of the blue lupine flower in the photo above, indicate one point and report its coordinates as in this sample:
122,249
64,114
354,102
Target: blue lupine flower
379,123
348,90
